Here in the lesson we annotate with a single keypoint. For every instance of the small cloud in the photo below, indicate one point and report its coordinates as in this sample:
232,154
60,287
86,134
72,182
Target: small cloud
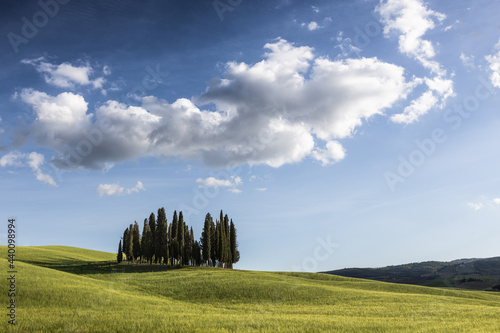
12,158
333,153
33,160
475,206
213,182
232,183
496,201
115,189
261,189
467,61
315,9
494,61
67,75
313,26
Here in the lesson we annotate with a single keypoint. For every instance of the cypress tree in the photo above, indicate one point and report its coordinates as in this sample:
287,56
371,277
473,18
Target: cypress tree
233,244
126,239
205,239
152,242
227,248
197,259
136,241
161,232
218,232
143,242
175,246
146,242
130,240
119,256
213,242
180,237
189,245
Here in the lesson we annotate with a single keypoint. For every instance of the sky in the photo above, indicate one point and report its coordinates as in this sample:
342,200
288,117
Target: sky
334,133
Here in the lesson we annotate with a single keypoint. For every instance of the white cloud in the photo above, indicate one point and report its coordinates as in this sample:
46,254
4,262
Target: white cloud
115,189
467,61
333,153
213,182
33,160
313,26
12,158
410,20
475,206
315,9
494,61
66,75
272,112
261,189
230,183
496,201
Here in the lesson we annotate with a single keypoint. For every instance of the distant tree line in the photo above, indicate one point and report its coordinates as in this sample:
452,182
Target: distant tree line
174,244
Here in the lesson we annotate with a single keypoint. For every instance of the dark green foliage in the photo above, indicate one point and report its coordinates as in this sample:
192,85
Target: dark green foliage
181,238
197,259
161,232
233,244
147,243
213,242
126,240
136,241
119,256
152,245
174,253
128,250
205,238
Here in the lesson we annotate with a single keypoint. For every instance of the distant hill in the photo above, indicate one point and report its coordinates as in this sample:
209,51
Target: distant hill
478,274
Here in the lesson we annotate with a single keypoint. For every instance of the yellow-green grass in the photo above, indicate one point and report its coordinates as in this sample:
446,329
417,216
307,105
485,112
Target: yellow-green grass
217,300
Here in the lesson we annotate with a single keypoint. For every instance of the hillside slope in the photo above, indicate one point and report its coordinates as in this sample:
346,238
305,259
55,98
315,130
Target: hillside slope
199,299
478,274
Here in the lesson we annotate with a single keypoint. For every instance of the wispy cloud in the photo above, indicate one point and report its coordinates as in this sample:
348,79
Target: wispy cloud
231,183
475,205
494,61
115,189
410,20
32,160
67,75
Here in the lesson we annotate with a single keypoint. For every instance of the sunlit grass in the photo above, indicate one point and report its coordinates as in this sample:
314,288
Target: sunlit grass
216,300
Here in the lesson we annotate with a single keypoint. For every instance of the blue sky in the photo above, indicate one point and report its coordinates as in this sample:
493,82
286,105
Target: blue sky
334,133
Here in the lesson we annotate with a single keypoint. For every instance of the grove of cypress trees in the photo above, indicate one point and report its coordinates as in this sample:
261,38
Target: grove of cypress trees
174,243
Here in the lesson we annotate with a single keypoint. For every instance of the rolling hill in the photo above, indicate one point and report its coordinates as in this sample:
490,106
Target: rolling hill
477,274
64,289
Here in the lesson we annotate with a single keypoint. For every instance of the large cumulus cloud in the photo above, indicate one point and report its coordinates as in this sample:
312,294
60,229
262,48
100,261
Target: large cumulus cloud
287,107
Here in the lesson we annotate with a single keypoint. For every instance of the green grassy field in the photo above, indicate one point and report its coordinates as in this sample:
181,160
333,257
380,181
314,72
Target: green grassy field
64,289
